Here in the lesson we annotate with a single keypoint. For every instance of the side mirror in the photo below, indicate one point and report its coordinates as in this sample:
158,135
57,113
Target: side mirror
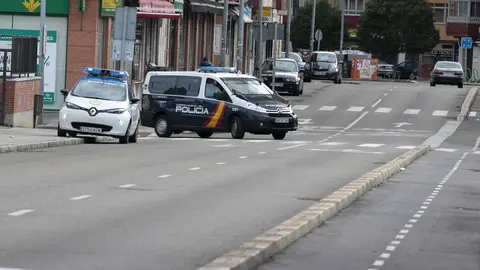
134,100
64,92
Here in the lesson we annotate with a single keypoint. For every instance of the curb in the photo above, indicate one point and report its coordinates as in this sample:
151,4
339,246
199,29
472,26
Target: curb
46,144
260,249
467,103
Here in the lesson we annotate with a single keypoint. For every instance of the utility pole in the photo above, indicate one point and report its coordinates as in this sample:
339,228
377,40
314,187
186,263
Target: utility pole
260,36
274,20
240,36
289,22
342,26
312,30
43,38
223,54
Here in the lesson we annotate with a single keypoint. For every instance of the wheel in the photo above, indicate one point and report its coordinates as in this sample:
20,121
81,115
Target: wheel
236,128
297,91
460,85
279,135
339,80
134,137
125,139
432,83
307,79
163,128
89,139
72,134
61,132
412,76
204,134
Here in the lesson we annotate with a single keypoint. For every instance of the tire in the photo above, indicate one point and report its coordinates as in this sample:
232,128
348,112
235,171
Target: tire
412,76
297,91
163,127
460,85
339,81
72,134
61,132
134,137
432,83
279,135
125,139
236,128
204,134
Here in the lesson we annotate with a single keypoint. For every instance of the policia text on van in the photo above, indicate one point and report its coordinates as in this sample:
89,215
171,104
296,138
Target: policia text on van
215,101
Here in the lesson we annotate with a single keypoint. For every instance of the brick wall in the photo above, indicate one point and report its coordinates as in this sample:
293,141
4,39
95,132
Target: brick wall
82,39
20,94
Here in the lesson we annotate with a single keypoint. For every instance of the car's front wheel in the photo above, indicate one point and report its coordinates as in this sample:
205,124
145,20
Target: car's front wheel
236,128
460,85
134,137
61,132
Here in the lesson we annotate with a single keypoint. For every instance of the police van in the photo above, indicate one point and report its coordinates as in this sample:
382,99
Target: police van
212,100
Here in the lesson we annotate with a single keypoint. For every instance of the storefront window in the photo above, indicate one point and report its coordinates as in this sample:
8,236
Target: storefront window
475,9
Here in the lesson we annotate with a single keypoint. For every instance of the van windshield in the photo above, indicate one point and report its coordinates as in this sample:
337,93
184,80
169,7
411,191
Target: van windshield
99,89
247,86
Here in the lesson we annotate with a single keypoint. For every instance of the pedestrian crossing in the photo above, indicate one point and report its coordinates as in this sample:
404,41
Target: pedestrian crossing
382,110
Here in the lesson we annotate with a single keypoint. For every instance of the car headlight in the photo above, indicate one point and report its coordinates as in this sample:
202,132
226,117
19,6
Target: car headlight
256,108
116,111
291,79
73,106
333,67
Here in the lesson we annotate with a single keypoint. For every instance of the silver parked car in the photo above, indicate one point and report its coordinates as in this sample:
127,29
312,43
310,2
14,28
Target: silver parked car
446,72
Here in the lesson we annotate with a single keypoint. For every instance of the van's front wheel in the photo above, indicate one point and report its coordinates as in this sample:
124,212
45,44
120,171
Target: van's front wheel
279,135
236,128
163,127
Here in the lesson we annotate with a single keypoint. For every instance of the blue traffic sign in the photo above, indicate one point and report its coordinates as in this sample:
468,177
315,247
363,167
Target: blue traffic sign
467,42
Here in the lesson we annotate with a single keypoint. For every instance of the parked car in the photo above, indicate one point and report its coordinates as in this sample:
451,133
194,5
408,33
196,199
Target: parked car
446,72
288,76
326,66
304,66
385,70
407,70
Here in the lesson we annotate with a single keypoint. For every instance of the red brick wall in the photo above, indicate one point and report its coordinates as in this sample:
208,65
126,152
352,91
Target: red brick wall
82,39
20,94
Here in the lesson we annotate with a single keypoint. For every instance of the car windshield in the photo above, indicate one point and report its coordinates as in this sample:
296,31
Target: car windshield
99,89
293,56
282,66
247,86
326,57
448,65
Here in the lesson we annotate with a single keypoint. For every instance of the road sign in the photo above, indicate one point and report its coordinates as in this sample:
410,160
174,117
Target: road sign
467,42
318,35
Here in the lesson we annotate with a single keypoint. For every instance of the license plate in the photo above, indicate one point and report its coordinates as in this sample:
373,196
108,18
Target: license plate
321,73
282,120
278,84
91,129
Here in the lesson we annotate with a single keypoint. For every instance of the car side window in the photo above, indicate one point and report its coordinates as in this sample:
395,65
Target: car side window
162,85
214,90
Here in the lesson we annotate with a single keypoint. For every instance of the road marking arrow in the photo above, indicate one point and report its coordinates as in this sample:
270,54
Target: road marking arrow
397,125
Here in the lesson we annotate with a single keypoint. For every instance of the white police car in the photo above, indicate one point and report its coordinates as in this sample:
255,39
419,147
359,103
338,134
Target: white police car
214,100
100,104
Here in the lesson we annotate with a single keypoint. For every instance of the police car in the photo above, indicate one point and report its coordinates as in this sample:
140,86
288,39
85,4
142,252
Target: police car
101,104
214,99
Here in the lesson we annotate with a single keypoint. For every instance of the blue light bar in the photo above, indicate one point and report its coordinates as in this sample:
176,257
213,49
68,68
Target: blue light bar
218,69
106,73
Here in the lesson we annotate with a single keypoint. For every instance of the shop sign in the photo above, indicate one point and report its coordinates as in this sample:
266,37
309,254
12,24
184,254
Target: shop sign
50,57
440,52
266,14
178,5
107,7
352,32
365,68
54,7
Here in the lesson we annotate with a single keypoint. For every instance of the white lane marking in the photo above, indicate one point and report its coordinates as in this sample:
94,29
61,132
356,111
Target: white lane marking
333,143
472,114
421,212
164,176
404,231
346,151
440,113
424,207
395,242
385,255
182,139
304,121
370,145
411,111
354,122
127,186
291,146
194,169
445,149
417,216
407,147
261,153
300,107
477,152
376,103
413,221
222,145
215,140
82,197
20,212
399,236
477,144
296,142
221,163
355,109
257,141
408,226
327,108
391,248
378,263
243,157
383,110
386,94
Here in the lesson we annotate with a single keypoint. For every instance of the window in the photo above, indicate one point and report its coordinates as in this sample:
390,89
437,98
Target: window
247,87
354,6
452,65
214,90
175,85
294,56
326,57
100,89
458,8
440,12
475,9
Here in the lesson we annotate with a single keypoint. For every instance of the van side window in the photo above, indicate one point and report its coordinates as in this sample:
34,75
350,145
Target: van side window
162,85
214,90
188,86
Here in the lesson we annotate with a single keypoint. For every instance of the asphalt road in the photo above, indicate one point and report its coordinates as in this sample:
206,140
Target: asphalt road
178,203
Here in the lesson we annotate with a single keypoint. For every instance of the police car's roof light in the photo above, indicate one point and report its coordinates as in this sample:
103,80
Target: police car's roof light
106,73
218,69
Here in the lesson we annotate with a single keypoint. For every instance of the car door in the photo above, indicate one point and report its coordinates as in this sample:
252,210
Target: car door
217,102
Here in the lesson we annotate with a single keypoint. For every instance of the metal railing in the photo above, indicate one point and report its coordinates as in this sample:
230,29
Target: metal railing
462,19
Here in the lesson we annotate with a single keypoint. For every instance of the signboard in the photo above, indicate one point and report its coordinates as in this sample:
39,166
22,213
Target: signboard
467,42
50,58
266,14
365,68
217,40
54,7
318,35
107,7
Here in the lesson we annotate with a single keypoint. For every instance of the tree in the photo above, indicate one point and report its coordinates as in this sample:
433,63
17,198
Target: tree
389,27
327,18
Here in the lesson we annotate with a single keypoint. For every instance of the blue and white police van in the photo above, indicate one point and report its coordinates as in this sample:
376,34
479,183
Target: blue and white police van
214,99
100,104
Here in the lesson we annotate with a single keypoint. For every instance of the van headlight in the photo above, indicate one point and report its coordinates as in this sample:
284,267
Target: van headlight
256,108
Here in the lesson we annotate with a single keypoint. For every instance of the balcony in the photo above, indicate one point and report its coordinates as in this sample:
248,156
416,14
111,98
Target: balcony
463,18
